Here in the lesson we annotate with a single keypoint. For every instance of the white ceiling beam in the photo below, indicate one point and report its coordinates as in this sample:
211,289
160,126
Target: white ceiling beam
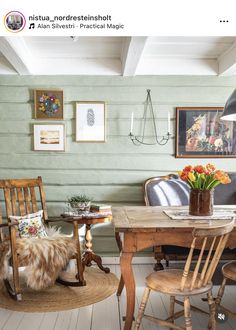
177,66
17,53
131,54
227,61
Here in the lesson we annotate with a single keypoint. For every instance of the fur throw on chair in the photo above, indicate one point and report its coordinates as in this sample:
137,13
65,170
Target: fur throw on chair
44,257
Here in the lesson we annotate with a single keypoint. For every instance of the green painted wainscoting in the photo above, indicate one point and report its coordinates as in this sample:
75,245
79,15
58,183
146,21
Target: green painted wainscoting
111,172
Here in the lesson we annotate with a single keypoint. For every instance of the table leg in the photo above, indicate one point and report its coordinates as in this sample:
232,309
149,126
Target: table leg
80,268
120,286
89,255
121,282
128,278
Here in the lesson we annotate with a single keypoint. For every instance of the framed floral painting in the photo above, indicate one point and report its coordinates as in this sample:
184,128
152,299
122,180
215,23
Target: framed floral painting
48,104
200,133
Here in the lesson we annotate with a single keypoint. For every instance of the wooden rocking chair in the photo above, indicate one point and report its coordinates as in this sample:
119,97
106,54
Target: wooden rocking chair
22,197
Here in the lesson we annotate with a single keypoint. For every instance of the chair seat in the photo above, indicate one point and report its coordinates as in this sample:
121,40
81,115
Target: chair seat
168,282
229,270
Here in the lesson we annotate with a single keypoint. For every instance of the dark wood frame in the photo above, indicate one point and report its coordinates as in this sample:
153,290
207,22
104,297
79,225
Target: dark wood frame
39,114
181,136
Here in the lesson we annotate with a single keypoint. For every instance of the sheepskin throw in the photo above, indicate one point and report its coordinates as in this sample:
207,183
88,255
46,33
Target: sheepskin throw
45,258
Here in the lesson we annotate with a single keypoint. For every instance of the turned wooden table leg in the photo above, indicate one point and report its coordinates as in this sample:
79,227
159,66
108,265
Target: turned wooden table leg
89,255
128,277
88,247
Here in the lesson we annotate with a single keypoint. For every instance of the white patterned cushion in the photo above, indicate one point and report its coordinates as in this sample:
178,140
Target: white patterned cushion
30,225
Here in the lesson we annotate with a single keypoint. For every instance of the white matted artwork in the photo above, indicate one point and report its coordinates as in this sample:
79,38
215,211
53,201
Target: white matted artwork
90,121
49,137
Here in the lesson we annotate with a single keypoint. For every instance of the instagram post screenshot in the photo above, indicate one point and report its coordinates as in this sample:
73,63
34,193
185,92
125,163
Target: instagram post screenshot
118,165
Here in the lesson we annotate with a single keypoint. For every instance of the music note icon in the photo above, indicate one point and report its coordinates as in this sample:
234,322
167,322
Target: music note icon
32,26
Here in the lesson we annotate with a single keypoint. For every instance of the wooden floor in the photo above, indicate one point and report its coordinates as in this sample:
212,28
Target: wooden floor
107,314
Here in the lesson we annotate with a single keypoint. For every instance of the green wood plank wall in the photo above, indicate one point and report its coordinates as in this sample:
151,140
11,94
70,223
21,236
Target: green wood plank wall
110,172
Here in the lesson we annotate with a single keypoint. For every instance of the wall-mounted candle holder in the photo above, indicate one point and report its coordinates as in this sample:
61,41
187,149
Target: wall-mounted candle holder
138,140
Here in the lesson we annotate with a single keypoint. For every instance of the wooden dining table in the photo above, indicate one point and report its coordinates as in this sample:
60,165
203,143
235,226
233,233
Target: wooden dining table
141,227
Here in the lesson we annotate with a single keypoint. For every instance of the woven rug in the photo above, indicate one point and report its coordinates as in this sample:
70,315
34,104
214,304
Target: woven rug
57,298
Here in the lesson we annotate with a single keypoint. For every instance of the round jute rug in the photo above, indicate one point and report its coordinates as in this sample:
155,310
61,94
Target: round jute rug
99,286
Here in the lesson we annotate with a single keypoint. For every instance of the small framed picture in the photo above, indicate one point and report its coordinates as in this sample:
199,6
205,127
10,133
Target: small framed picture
48,104
90,121
49,137
200,133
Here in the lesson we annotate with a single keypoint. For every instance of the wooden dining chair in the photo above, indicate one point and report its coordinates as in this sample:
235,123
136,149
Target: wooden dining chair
25,196
186,283
229,273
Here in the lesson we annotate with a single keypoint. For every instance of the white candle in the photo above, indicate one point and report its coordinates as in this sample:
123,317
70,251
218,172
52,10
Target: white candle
168,123
132,122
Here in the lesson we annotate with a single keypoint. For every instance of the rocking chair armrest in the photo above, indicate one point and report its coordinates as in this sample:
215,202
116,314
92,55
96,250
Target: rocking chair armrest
12,229
10,224
3,225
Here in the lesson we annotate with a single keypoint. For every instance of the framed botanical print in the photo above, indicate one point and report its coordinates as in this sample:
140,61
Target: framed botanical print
90,122
201,133
48,104
49,137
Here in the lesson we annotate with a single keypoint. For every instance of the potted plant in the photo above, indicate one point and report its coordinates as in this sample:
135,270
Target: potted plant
80,203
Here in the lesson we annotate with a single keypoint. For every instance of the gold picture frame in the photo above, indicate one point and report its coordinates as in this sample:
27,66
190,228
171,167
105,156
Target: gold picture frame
49,137
48,104
90,121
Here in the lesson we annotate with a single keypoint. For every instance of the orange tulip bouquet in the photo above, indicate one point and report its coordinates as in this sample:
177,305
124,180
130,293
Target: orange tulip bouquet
202,180
203,177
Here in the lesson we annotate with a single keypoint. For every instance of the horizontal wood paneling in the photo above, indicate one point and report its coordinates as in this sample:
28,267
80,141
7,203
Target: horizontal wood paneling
102,161
82,177
115,127
25,112
134,93
111,172
88,81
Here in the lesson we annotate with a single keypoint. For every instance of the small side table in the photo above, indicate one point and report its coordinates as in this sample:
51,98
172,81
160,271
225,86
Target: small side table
89,220
88,255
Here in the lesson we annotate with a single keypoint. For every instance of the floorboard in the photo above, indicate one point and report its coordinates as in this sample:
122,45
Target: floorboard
13,321
108,314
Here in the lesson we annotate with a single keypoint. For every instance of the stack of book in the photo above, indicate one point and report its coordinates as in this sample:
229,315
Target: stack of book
100,208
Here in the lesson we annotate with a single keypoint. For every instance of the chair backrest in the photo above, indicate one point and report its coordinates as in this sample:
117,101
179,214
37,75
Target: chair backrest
166,190
21,196
212,240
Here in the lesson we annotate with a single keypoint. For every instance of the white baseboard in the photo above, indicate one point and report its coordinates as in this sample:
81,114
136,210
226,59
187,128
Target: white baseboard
136,260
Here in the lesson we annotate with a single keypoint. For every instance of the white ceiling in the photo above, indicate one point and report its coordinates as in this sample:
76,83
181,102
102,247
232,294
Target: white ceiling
127,56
